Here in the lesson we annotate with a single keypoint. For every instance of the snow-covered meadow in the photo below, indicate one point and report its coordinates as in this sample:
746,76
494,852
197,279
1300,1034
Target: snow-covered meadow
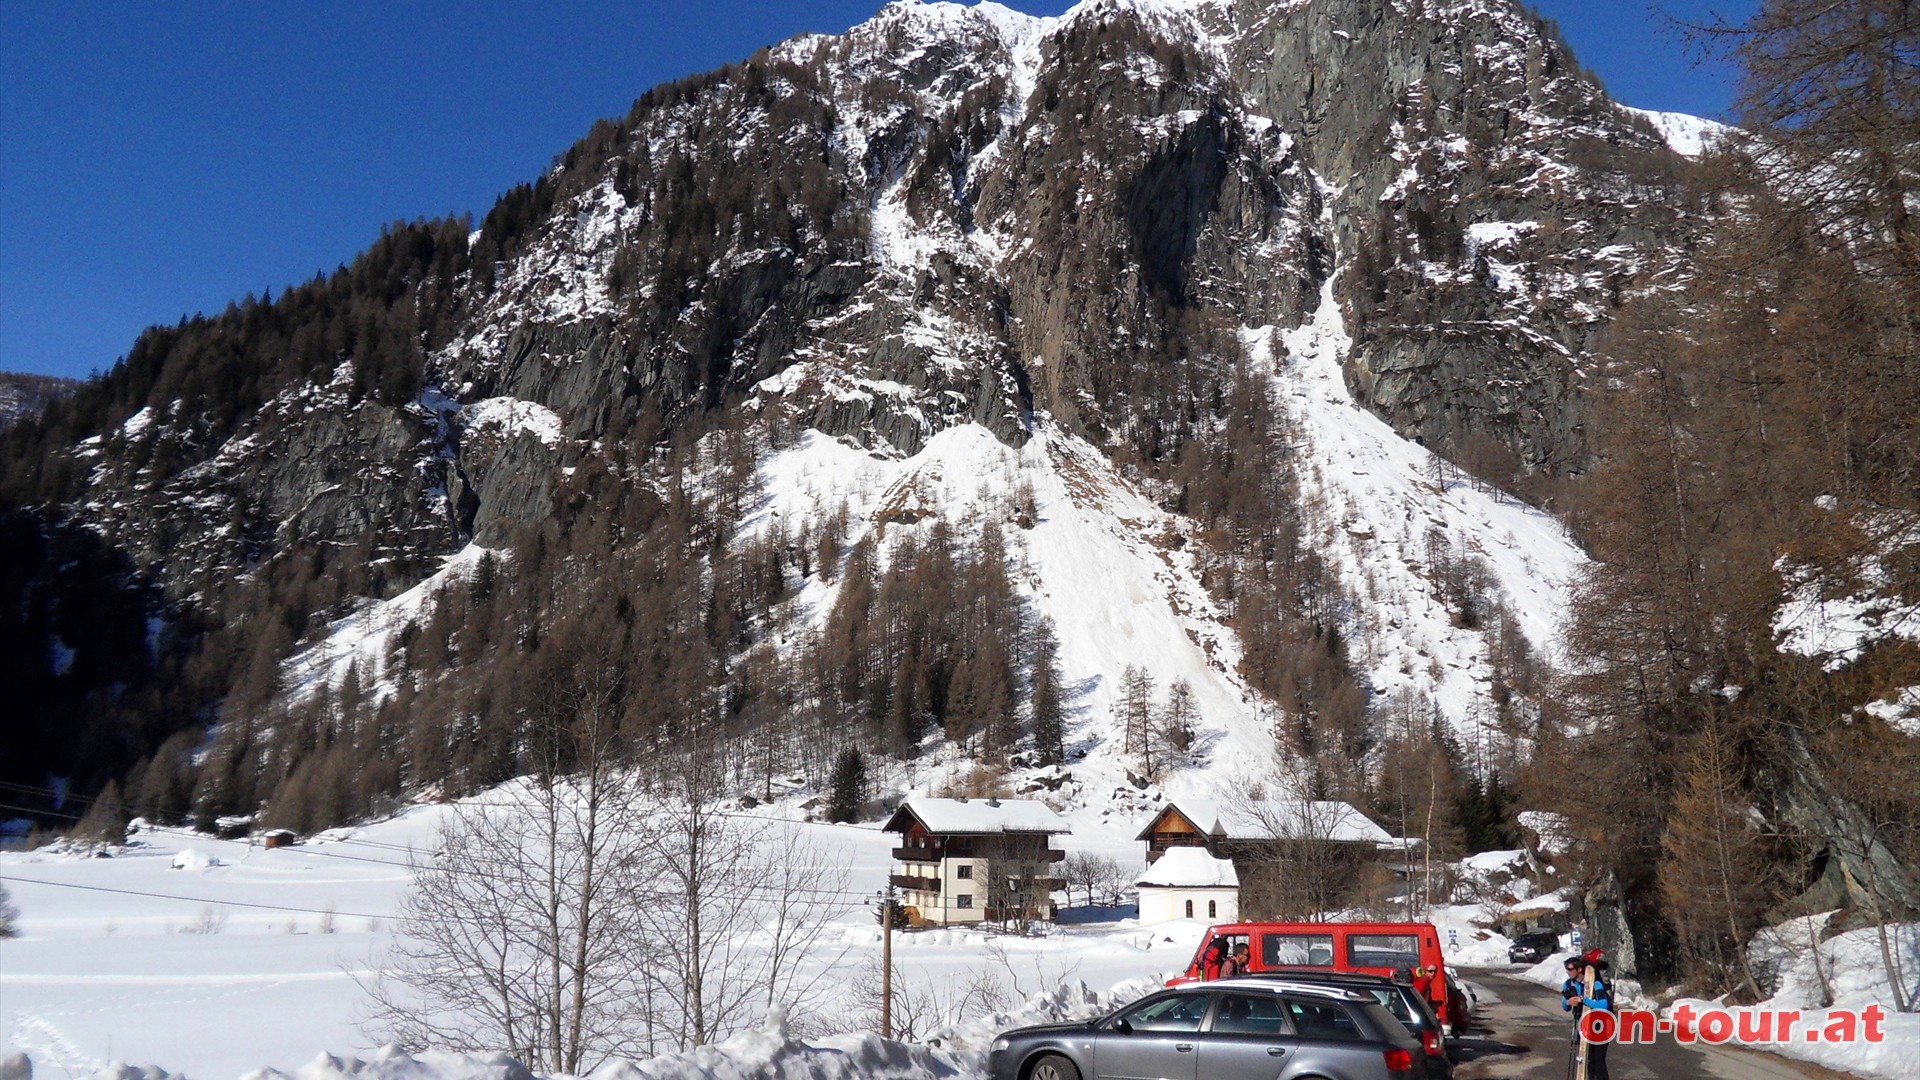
149,957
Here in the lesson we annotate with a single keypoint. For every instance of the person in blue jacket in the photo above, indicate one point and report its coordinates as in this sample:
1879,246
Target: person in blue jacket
1575,999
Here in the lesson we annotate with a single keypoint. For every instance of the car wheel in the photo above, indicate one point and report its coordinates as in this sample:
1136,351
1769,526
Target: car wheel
1053,1067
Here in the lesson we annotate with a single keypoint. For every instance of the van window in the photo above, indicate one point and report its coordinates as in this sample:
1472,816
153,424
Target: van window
1313,950
1383,951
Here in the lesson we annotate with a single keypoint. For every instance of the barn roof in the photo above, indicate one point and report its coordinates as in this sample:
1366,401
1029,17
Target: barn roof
1275,819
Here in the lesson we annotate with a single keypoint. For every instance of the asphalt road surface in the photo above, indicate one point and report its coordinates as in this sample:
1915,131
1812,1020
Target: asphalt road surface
1519,1031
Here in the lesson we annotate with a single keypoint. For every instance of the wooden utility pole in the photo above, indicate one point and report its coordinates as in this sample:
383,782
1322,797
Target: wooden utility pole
886,963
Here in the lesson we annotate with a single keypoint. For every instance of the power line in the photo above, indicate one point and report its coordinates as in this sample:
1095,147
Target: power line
37,790
42,813
192,899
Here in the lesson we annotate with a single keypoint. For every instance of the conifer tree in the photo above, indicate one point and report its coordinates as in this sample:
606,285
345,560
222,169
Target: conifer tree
106,819
849,786
1049,710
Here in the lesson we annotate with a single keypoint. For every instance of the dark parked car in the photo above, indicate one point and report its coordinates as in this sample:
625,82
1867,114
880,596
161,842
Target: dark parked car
1533,947
1234,1029
1406,1004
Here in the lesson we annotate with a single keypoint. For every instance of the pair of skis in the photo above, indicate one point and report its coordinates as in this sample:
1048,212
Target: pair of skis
1577,1060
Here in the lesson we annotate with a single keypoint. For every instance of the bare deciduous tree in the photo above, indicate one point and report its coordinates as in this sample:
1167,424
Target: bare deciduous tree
1714,878
1295,864
734,904
522,930
1080,870
570,917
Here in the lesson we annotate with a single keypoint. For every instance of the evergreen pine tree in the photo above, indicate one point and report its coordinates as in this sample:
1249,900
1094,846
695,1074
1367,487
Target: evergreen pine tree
1049,711
849,786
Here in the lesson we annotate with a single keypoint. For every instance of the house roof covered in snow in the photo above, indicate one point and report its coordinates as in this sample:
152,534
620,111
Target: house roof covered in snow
1191,868
1275,819
976,816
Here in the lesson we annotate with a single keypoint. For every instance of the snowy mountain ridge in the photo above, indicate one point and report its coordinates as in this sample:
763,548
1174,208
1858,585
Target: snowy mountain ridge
960,257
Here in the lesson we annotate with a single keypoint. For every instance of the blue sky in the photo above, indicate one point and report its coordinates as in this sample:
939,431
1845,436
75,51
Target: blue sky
158,159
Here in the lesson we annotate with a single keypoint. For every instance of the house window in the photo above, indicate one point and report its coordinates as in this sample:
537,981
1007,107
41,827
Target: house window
964,871
964,900
1189,909
1213,909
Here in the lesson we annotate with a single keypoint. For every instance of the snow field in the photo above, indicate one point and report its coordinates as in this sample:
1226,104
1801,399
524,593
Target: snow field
125,959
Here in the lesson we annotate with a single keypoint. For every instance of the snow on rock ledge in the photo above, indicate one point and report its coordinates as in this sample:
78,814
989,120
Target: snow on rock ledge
511,415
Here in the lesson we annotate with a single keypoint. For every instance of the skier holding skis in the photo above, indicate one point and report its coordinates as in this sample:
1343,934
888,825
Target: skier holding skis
1577,995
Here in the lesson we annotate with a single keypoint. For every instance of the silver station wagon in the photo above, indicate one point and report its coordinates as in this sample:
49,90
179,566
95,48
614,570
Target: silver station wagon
1234,1029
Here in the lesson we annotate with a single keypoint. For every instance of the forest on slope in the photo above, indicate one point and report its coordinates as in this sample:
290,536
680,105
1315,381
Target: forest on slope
1731,753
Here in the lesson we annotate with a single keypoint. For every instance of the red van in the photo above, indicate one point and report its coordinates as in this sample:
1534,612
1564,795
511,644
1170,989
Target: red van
1390,949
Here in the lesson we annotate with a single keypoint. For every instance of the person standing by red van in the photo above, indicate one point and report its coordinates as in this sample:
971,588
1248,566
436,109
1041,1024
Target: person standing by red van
1426,979
1236,963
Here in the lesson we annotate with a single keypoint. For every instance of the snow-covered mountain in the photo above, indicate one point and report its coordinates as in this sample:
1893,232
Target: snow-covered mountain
962,265
24,395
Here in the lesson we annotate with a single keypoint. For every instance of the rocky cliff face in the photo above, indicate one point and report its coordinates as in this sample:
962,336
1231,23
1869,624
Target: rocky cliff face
956,214
1496,206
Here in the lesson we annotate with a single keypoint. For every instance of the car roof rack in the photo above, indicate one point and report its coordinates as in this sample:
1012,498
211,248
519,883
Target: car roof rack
1323,975
1276,985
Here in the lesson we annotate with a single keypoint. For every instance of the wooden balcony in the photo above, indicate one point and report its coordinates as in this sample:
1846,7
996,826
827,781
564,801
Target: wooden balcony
915,884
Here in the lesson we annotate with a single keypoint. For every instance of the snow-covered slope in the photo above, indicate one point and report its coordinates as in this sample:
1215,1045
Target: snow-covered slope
1099,562
1095,561
1385,499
